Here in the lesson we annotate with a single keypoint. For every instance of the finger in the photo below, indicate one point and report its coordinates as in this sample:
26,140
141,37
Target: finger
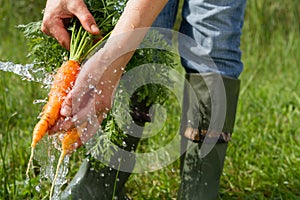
66,107
85,17
56,127
86,111
71,118
91,129
63,124
56,28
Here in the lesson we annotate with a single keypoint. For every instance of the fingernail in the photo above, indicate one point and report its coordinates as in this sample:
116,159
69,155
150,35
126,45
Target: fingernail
65,111
94,28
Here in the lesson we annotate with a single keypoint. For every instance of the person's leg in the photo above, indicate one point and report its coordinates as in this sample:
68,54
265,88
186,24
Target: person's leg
215,56
201,167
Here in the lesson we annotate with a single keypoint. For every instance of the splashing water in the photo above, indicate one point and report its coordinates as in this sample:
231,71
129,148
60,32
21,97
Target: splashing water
47,157
27,72
61,180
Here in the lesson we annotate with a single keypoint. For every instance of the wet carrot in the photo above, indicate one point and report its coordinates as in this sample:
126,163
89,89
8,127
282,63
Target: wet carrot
62,84
70,142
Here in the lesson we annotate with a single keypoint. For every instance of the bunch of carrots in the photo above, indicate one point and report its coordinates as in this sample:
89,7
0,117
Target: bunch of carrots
81,44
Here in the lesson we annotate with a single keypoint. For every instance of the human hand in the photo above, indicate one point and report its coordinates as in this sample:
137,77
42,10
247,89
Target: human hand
58,12
88,103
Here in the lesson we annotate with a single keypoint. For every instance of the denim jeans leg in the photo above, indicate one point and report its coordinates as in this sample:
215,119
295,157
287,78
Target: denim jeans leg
216,26
167,16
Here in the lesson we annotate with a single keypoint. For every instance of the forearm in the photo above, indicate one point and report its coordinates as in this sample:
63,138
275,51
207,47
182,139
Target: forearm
107,65
130,30
139,14
132,27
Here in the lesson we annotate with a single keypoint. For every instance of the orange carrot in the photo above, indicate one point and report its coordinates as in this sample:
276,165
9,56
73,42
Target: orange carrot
70,142
62,84
81,45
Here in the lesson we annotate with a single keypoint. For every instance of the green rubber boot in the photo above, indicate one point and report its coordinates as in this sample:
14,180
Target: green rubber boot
96,182
105,183
209,110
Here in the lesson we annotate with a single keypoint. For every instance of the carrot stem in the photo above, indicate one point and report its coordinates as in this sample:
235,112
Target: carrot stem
74,41
83,44
98,43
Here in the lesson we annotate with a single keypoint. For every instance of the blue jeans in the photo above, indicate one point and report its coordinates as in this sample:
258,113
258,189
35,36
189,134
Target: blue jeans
216,28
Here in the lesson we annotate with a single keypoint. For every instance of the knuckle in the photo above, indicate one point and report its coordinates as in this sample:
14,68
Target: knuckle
76,6
87,18
44,27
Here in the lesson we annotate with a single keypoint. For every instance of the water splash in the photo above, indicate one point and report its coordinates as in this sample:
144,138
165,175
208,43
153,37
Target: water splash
28,72
61,180
47,157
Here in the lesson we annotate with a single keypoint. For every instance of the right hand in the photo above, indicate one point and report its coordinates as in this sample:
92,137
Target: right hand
58,12
90,99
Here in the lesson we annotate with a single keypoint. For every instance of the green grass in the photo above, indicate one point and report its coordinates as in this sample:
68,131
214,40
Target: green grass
263,158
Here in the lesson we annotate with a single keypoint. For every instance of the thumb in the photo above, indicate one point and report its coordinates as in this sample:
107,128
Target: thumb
86,19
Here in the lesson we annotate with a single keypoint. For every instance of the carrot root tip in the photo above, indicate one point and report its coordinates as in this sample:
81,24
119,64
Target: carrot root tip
30,162
60,161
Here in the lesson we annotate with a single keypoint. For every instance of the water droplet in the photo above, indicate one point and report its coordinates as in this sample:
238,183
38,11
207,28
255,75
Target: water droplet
75,145
77,180
52,158
91,86
37,101
37,188
99,91
61,136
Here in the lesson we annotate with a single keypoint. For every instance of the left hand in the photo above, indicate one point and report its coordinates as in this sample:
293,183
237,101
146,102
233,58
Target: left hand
58,11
